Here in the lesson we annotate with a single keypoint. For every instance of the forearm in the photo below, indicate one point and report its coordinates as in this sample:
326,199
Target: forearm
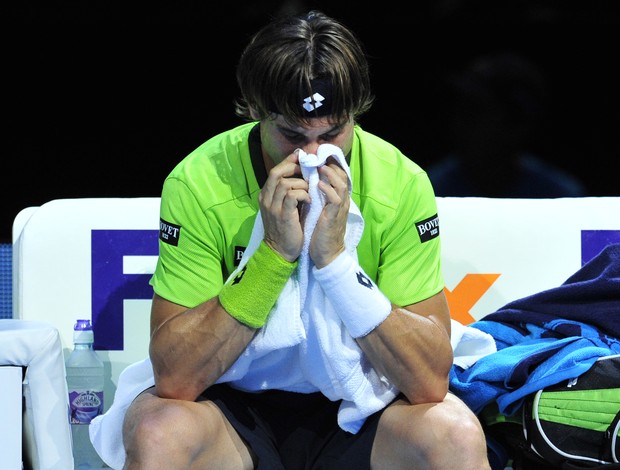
414,352
410,347
193,348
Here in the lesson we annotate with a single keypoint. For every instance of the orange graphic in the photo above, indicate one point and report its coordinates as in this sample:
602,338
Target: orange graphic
465,295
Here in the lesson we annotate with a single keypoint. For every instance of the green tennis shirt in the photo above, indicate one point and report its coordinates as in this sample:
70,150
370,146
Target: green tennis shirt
210,200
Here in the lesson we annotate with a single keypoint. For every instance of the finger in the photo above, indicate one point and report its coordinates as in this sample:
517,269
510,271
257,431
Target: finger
295,188
333,162
284,203
336,177
332,166
293,198
334,184
287,168
335,203
283,170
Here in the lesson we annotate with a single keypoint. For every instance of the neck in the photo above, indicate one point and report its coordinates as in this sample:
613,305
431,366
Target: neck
268,162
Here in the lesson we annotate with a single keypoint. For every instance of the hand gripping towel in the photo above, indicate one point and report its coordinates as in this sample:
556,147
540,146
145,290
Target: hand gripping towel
328,357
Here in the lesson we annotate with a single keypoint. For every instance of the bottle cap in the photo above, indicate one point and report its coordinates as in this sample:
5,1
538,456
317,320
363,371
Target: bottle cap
82,325
83,332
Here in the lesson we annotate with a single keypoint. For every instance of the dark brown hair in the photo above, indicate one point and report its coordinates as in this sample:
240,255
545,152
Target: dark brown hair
284,57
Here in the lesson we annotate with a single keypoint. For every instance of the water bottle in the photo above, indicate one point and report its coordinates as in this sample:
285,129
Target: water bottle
85,384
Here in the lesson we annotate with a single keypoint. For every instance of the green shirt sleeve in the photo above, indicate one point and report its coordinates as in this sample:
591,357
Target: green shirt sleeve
189,272
410,262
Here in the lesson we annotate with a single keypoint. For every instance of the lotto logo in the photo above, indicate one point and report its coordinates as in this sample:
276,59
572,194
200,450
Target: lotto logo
313,102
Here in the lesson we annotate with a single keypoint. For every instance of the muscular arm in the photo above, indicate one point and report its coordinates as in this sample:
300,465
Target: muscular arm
191,349
412,348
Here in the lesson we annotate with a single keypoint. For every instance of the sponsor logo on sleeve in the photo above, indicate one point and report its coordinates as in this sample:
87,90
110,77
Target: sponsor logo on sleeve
428,228
239,250
169,233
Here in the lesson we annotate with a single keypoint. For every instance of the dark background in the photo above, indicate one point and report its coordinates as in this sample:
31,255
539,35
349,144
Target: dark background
101,99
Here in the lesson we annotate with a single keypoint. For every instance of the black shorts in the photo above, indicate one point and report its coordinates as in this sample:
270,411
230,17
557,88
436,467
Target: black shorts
294,431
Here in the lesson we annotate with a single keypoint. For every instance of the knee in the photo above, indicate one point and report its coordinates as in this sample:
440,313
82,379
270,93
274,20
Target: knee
144,429
147,427
463,438
463,430
160,428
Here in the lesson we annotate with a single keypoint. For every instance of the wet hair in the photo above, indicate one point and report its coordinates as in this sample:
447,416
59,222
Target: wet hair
304,66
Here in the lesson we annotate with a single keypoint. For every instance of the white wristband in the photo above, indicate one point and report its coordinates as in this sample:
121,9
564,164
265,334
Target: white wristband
355,298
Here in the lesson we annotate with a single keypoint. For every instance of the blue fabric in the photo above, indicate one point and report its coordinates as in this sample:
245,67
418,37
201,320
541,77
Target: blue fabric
546,338
591,295
6,280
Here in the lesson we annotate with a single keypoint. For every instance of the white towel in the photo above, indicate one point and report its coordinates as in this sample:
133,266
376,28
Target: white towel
106,430
470,344
328,358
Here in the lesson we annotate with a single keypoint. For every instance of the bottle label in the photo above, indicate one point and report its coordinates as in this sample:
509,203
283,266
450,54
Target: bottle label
85,406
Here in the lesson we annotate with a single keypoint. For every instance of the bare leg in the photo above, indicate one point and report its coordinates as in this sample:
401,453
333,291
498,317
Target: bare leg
438,436
163,434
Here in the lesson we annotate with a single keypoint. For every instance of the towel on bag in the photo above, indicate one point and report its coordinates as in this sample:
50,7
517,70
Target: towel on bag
546,338
302,340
